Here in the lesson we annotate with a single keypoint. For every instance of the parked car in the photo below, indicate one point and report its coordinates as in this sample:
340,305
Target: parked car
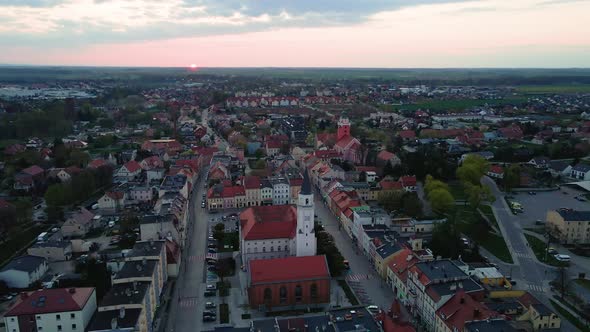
552,251
209,319
209,313
203,205
209,293
212,251
562,258
210,305
532,193
580,198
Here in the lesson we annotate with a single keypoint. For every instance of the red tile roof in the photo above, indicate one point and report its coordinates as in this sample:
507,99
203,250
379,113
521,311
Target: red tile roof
33,170
462,308
132,166
252,182
326,154
496,169
269,222
263,271
56,300
96,163
408,181
116,195
274,144
400,263
385,155
4,204
390,185
345,141
407,134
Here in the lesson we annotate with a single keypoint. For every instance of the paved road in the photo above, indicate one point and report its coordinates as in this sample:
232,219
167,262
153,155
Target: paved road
375,288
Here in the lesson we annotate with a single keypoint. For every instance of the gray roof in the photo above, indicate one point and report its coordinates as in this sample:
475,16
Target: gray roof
388,249
137,269
490,325
126,293
542,309
558,165
101,321
147,248
306,186
581,168
51,244
440,270
451,287
574,215
27,263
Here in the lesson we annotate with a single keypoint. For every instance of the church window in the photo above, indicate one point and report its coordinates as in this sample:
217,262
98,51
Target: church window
272,248
286,248
267,295
313,292
283,294
263,249
298,293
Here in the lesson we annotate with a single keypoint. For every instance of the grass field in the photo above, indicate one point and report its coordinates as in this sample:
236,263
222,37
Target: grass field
571,318
472,225
487,211
539,247
548,89
584,283
454,105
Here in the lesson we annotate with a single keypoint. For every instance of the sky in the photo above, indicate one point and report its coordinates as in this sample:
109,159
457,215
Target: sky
297,33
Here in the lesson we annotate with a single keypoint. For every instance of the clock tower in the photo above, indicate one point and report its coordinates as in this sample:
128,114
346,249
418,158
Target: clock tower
306,242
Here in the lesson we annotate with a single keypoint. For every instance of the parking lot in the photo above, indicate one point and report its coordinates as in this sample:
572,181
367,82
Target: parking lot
536,206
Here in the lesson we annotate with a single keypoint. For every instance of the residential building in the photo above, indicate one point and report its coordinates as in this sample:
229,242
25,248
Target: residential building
129,171
79,223
289,283
52,310
252,186
281,192
141,194
52,250
569,226
496,172
23,271
537,314
581,172
134,298
112,200
559,168
397,273
458,310
385,253
266,192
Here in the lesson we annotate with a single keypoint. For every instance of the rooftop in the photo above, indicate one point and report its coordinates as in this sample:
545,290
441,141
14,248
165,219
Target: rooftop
137,269
489,325
388,249
27,263
574,215
439,270
125,293
103,320
287,269
146,248
268,222
51,300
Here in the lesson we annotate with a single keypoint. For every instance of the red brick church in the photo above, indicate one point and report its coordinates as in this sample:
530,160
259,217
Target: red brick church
289,283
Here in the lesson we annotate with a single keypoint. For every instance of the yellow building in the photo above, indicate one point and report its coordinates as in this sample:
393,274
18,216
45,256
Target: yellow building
541,317
385,254
569,226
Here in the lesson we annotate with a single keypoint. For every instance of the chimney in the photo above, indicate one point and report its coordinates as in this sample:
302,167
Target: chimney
122,313
475,312
24,295
135,285
72,290
462,300
144,262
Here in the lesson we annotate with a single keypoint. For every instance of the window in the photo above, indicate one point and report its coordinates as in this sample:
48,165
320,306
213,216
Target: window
267,295
263,249
58,317
283,295
38,317
73,326
72,316
272,248
59,327
40,328
286,248
298,293
313,292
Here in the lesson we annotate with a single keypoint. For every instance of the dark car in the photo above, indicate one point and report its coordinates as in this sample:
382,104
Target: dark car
209,313
209,318
532,193
212,268
212,251
210,292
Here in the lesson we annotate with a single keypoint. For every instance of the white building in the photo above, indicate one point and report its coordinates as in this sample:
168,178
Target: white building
305,239
52,310
22,271
281,191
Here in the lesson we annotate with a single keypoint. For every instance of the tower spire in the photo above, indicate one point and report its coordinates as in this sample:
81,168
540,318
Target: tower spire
306,186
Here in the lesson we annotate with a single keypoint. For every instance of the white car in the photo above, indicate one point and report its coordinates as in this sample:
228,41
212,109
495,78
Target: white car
563,258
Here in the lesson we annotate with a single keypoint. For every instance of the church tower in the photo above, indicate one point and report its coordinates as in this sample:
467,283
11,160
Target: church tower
306,242
343,128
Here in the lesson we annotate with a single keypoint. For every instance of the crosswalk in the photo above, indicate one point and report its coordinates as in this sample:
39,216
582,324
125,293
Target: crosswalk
535,288
358,277
200,258
521,254
188,303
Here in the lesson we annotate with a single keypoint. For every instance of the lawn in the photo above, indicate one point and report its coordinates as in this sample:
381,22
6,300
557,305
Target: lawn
457,191
571,318
230,240
17,242
487,211
539,248
472,225
584,283
224,313
548,89
454,105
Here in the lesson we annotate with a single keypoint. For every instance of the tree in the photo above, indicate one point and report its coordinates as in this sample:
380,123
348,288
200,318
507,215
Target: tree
412,205
219,232
511,177
431,184
391,200
441,200
55,195
477,194
472,169
259,153
260,164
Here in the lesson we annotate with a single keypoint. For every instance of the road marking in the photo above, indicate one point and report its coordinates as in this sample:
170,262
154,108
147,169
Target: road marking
188,303
535,288
358,277
522,254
